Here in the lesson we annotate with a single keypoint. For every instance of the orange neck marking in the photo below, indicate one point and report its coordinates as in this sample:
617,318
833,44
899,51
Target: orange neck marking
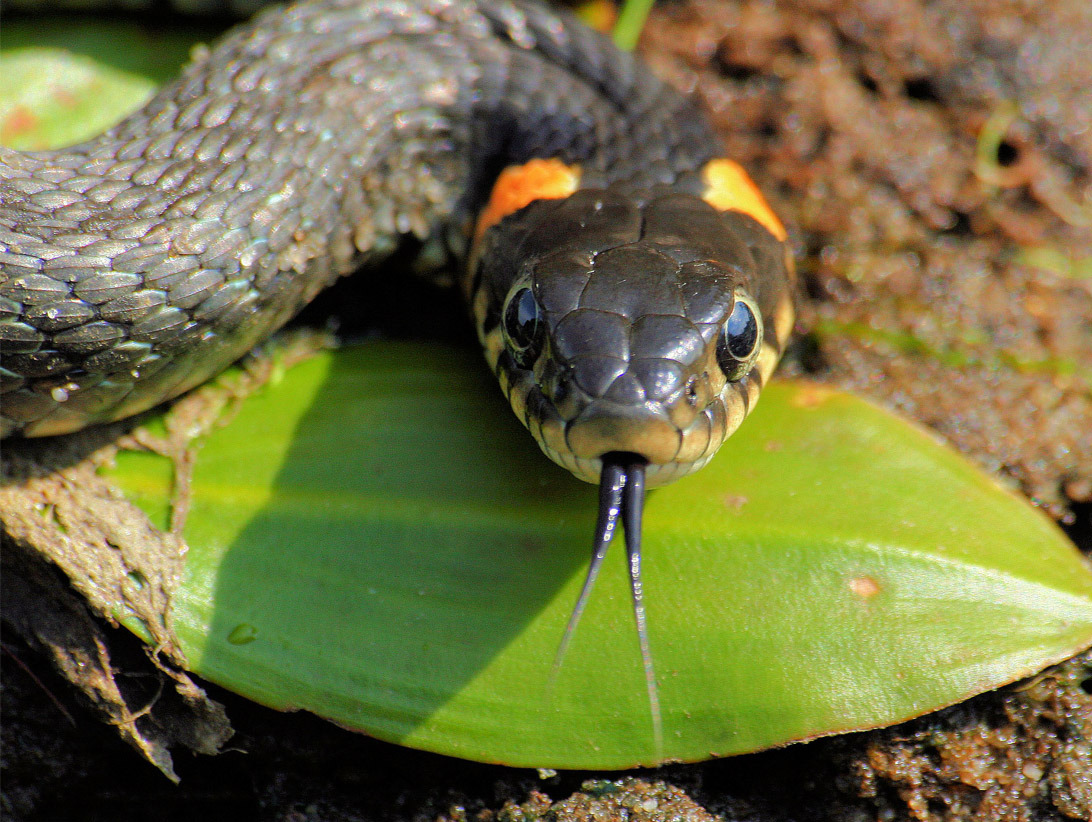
728,188
519,186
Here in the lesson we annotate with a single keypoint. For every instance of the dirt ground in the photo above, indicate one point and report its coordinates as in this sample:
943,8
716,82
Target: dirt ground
933,161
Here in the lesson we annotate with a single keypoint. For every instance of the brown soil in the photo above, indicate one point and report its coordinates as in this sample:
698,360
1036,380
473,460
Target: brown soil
934,163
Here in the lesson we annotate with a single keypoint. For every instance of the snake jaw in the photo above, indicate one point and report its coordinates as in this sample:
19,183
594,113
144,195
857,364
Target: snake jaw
621,499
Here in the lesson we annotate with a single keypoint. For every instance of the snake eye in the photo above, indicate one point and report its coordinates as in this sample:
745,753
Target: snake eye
740,341
524,327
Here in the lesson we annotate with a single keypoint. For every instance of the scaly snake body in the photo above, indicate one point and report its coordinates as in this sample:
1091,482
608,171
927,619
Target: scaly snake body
631,313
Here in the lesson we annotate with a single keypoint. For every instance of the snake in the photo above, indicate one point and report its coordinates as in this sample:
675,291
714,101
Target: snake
630,286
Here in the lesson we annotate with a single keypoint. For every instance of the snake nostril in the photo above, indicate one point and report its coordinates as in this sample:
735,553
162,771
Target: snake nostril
692,391
562,391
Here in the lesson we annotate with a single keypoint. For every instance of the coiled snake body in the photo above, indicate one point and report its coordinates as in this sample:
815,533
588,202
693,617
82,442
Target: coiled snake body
631,289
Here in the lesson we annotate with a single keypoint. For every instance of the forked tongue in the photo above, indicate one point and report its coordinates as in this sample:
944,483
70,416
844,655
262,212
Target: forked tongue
621,495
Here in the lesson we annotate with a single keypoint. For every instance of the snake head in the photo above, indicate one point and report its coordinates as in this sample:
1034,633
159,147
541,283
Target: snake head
622,324
632,334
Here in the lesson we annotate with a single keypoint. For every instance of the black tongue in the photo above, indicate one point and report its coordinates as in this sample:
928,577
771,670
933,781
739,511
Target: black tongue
621,493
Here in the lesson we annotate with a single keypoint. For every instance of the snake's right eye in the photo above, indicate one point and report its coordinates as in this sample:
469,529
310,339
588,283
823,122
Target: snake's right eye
524,327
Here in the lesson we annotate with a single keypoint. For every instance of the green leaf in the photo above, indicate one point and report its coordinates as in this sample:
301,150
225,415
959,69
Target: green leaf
53,98
376,539
68,79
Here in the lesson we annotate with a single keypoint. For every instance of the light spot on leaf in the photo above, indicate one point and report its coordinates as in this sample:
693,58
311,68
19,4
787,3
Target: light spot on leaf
865,587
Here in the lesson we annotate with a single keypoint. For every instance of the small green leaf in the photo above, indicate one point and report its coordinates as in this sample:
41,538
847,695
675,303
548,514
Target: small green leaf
376,539
68,79
53,98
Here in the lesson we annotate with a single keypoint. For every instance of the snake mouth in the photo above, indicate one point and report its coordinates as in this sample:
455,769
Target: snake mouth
604,428
584,446
590,469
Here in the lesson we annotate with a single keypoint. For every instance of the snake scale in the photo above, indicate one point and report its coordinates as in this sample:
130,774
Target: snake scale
630,287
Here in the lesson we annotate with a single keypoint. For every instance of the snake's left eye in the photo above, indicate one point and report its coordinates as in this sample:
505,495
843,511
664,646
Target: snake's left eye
524,327
740,340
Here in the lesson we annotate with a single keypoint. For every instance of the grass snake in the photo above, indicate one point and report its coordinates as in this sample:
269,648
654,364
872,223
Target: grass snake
630,287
